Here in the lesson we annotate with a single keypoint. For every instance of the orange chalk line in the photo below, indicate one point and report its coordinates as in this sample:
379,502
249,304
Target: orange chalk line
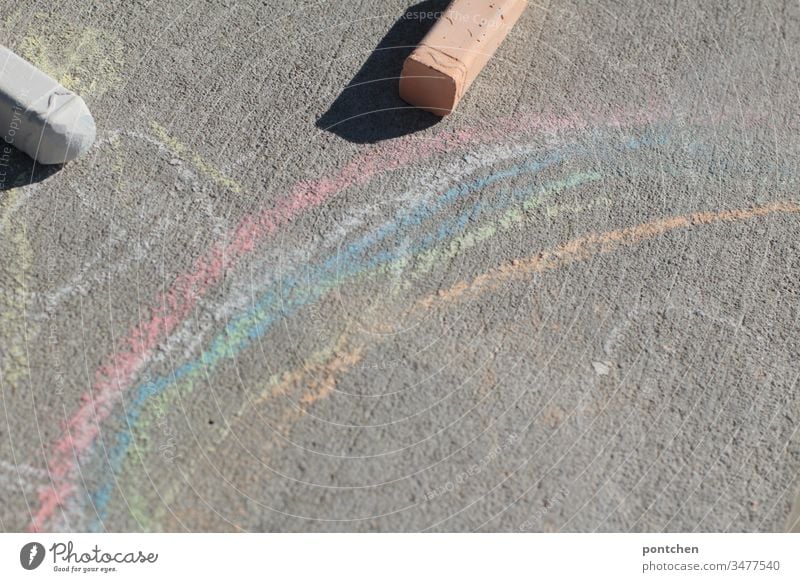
595,244
324,366
572,251
313,380
317,376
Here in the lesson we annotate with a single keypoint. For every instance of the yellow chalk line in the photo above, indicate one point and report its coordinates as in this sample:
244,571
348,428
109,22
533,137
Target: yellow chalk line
84,59
206,169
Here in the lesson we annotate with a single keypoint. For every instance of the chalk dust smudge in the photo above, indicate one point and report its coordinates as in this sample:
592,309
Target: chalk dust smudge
86,60
16,476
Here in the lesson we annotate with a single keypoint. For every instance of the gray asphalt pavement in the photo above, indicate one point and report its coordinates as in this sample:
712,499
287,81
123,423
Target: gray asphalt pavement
273,298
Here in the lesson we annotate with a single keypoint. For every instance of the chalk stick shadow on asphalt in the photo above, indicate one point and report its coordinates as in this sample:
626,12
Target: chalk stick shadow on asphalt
18,170
369,109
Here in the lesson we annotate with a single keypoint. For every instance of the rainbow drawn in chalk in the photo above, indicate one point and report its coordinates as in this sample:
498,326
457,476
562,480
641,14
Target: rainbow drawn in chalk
499,180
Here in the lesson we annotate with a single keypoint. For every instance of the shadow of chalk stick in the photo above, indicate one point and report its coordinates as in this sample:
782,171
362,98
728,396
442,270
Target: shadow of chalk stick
17,169
369,109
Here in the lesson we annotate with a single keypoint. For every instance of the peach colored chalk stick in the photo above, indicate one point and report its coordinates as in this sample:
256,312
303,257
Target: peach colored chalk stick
440,70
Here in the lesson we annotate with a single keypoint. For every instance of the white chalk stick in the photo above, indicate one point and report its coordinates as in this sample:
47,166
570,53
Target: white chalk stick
39,116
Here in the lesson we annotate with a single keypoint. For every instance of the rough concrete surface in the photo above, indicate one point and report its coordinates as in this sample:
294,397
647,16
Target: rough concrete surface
272,298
